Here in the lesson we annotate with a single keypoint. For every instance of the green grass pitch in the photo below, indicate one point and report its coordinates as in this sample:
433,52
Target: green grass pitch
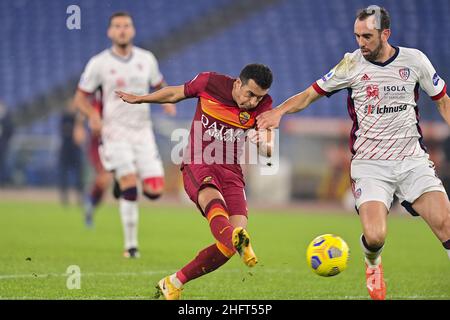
39,241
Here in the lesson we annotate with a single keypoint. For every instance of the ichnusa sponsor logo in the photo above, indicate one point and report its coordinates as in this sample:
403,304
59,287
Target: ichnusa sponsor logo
370,109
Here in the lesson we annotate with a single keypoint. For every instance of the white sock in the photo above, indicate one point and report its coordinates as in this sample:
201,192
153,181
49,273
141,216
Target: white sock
130,215
448,252
175,281
373,259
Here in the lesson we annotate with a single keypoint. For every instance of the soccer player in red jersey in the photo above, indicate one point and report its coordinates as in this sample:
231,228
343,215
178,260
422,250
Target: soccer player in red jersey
212,175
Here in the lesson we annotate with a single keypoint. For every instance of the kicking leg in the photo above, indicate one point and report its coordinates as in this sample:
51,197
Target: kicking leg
230,235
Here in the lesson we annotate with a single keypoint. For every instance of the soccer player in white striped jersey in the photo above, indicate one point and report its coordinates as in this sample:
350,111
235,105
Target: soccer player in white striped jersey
389,156
128,145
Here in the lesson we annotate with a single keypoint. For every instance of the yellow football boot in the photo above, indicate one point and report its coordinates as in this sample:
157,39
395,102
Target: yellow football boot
241,241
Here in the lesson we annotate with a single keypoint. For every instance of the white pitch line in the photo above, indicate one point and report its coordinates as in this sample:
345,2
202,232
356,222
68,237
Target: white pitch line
88,274
108,274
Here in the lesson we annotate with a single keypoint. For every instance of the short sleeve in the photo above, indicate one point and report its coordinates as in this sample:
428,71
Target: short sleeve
336,79
197,85
429,80
90,79
156,76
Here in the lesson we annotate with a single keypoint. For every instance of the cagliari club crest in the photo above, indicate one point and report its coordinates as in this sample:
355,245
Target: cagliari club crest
404,73
244,116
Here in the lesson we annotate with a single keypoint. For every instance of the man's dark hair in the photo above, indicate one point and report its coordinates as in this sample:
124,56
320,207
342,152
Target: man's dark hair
260,73
385,18
119,14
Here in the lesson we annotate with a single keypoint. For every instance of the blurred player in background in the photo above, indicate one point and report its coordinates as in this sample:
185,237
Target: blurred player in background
103,178
6,133
71,153
128,145
389,156
226,109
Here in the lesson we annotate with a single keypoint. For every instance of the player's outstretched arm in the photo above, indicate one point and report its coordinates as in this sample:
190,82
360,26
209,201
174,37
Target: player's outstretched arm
271,119
444,108
170,94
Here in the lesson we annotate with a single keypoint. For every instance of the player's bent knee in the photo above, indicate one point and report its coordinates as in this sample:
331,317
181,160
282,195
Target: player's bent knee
129,194
127,181
208,193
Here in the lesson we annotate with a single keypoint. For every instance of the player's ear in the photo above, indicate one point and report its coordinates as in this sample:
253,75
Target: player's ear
385,34
133,31
238,83
109,33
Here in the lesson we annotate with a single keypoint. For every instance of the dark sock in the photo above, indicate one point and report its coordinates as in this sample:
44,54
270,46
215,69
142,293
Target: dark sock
373,249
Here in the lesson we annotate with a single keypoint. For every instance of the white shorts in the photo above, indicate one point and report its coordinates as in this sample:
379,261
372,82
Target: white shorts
125,158
380,180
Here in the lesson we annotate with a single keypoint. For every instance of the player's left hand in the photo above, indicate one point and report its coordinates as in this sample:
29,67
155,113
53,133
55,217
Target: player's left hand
269,119
127,97
170,109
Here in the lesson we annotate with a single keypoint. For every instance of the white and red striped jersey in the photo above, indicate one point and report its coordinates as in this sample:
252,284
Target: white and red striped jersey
382,101
135,74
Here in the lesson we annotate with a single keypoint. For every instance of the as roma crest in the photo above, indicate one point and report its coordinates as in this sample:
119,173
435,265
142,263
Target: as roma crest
404,73
244,116
207,179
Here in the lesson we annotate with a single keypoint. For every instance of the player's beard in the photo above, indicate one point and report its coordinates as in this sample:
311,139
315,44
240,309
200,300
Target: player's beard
374,54
123,44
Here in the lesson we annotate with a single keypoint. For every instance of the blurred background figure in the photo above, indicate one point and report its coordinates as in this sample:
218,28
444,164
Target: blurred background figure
336,183
71,153
101,177
6,132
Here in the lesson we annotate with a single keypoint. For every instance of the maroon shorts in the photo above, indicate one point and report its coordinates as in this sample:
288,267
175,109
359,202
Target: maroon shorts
229,183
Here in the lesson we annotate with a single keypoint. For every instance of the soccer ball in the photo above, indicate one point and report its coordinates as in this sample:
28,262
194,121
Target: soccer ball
327,255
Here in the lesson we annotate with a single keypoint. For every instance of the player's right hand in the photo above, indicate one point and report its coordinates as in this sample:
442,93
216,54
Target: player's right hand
269,119
127,97
95,124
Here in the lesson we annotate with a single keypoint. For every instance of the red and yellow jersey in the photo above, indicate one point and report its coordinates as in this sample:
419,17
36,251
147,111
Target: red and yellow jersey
218,129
